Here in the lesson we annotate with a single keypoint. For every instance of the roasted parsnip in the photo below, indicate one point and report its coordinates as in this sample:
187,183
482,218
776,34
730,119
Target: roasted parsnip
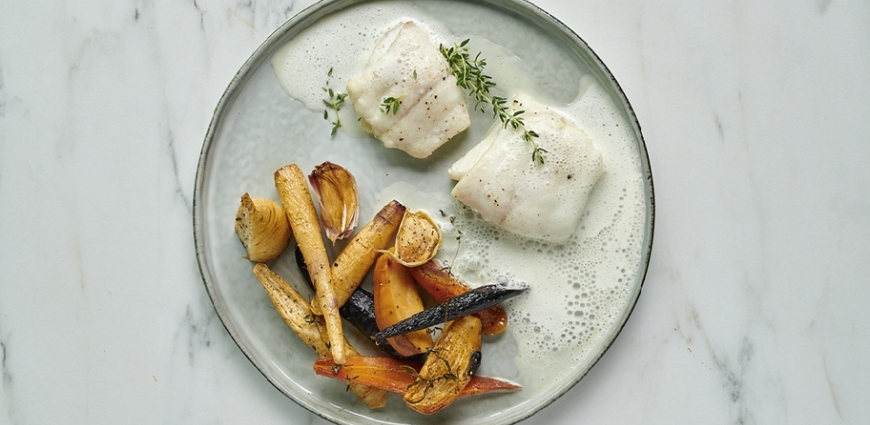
293,191
294,310
359,310
449,367
351,266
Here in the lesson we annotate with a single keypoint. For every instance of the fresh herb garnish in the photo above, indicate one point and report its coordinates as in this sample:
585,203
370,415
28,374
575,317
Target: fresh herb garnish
335,102
469,75
391,104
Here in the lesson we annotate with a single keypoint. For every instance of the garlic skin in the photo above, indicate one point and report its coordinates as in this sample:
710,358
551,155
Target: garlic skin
339,203
263,228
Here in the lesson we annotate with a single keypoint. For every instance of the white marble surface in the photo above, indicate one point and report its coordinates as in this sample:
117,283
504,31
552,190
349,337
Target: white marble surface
755,309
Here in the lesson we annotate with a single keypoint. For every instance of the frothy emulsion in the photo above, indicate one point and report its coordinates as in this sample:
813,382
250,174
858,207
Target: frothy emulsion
580,289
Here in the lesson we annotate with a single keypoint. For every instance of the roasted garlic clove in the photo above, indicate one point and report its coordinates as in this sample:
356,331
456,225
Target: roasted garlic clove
262,227
417,240
339,204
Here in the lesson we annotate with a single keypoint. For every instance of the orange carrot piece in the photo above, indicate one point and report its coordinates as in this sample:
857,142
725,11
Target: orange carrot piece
483,384
396,299
396,375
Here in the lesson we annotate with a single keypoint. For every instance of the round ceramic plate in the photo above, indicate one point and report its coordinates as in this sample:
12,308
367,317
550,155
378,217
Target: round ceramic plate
570,316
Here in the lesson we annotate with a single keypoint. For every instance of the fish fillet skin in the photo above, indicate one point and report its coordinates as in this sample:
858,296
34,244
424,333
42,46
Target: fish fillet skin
406,64
498,179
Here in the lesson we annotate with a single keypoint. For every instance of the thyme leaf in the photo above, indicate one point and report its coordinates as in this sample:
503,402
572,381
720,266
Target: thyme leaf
335,102
391,104
470,77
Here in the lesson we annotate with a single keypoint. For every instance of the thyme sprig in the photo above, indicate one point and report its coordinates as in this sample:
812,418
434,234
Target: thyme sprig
469,75
335,102
391,105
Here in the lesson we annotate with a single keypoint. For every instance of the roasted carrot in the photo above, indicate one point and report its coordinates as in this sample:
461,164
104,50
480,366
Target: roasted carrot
396,375
396,299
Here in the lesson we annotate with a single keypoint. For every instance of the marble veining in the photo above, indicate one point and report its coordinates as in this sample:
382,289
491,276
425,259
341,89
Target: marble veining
755,306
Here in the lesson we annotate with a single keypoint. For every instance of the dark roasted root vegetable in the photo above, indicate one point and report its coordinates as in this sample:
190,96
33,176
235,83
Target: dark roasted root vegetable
294,309
442,286
359,310
351,266
396,375
396,299
468,303
449,367
292,187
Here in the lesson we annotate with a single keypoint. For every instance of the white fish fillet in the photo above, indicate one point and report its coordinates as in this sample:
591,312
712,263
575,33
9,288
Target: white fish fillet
499,180
406,64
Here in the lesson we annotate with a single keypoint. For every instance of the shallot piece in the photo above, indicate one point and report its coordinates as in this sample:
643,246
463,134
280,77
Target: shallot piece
339,204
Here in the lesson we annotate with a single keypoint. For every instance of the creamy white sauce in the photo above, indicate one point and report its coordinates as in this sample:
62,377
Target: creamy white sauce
579,288
343,46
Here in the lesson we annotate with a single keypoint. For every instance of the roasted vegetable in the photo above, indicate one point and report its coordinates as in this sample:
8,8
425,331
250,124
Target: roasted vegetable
262,227
442,286
470,302
294,310
396,299
351,266
397,375
293,191
449,367
418,239
339,204
359,311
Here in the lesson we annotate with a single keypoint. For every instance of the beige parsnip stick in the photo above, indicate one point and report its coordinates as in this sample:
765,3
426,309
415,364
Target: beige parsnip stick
295,311
292,188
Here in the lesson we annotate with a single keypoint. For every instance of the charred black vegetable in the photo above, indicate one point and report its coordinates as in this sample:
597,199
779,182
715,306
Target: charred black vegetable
359,310
468,303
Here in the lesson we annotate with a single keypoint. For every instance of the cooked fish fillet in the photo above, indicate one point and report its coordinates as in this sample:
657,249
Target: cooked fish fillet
406,65
498,178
